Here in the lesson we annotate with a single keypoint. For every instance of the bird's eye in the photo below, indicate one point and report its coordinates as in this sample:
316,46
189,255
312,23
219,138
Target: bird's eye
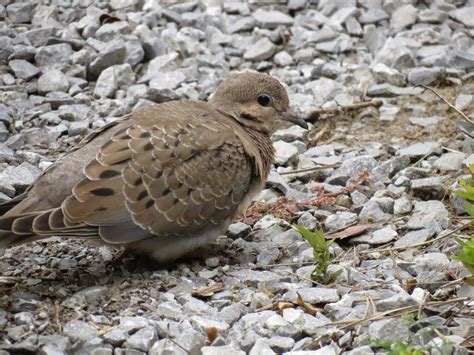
264,100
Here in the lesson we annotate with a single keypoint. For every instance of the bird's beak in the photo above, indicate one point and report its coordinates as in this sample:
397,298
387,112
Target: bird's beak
291,116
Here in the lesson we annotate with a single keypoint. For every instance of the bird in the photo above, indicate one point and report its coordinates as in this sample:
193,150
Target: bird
162,180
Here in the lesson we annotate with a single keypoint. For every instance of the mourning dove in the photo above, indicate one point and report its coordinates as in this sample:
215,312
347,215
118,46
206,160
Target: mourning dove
162,180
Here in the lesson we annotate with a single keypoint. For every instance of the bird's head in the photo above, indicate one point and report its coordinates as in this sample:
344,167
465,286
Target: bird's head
256,101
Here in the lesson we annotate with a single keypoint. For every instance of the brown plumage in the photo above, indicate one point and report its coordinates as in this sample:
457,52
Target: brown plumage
162,180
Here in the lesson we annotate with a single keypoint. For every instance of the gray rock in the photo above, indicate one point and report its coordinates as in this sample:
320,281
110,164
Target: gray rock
101,351
353,26
431,262
361,350
112,30
261,50
53,343
166,346
462,59
283,59
428,188
450,161
312,295
296,5
395,54
116,336
390,328
121,4
404,16
385,74
78,128
276,181
402,205
418,150
114,53
340,221
113,78
20,176
430,215
52,80
342,14
342,43
351,168
390,90
271,19
308,221
373,15
53,55
424,76
20,12
131,324
463,101
392,166
79,331
6,47
414,237
377,210
168,81
39,36
465,15
23,69
284,152
261,347
399,300
134,53
268,256
430,123
380,236
142,340
290,134
219,350
238,229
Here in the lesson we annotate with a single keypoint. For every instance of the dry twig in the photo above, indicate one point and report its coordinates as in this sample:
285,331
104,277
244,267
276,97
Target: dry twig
457,229
463,115
315,114
306,170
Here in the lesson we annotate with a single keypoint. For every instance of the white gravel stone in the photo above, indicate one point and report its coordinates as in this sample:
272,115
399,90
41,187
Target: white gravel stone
271,19
283,59
340,221
219,350
261,50
418,150
53,80
450,161
23,69
464,15
284,152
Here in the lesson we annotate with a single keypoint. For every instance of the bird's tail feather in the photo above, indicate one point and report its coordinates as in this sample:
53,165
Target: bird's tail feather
19,229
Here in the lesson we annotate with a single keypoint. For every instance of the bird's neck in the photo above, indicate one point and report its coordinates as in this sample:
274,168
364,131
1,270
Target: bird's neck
263,152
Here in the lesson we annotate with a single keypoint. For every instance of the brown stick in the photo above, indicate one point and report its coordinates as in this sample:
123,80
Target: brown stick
316,168
314,115
463,115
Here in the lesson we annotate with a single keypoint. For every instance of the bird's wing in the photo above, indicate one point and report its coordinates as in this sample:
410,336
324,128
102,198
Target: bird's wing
175,170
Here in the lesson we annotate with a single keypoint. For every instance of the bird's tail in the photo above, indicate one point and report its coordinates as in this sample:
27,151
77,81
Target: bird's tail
27,227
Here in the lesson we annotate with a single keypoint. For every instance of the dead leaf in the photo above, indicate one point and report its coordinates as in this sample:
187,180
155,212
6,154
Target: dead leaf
410,285
282,305
212,333
105,18
349,232
307,307
208,291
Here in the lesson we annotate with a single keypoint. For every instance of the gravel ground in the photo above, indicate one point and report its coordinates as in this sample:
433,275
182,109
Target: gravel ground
69,66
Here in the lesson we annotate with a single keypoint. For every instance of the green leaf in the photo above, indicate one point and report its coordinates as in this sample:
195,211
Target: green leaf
462,194
469,208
